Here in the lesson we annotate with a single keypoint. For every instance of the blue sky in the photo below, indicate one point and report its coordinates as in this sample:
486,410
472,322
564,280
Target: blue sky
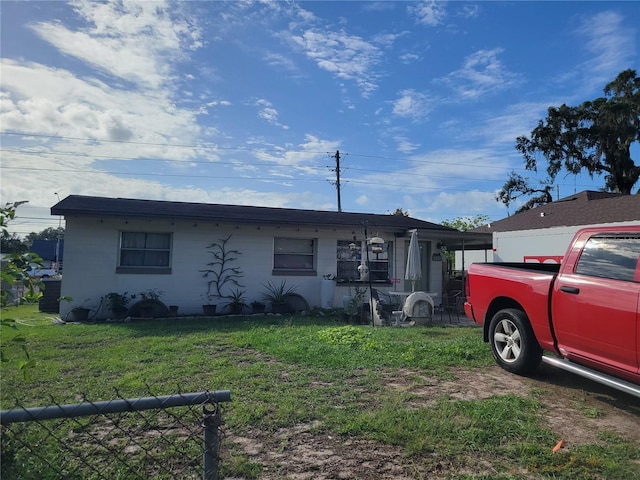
247,102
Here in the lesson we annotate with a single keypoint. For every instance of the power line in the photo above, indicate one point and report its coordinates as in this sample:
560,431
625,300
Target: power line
235,164
243,149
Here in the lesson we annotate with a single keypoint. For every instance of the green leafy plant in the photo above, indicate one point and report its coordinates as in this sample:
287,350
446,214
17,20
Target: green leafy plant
117,301
277,294
355,306
151,295
16,342
15,268
237,301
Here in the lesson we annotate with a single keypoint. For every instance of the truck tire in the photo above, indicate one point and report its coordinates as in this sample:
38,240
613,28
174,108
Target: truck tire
513,343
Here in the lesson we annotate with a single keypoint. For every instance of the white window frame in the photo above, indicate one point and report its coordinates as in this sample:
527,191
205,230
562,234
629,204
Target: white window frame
142,268
286,247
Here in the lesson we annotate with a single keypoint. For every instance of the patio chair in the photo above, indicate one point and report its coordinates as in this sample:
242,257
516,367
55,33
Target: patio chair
452,302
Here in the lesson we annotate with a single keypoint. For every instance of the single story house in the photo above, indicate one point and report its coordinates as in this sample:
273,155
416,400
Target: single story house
131,245
542,234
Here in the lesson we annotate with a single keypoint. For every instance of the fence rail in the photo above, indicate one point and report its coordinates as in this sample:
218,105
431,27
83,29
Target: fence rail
117,439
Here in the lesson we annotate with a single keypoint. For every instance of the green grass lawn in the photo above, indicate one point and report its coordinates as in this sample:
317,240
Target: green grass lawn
285,371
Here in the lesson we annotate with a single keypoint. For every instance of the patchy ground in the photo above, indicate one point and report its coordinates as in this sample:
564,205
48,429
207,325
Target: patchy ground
577,410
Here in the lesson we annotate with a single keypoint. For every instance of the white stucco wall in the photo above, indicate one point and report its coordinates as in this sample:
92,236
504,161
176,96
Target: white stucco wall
91,257
514,246
472,256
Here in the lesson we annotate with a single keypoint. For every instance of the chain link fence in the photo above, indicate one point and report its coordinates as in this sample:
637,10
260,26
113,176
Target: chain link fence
160,437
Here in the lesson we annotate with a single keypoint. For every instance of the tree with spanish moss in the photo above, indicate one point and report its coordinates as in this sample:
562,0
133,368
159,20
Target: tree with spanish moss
595,137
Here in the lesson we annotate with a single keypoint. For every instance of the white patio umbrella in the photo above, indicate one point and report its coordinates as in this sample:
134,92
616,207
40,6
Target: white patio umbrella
413,271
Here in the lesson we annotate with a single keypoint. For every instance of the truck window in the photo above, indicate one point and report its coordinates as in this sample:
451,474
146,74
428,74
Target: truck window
610,256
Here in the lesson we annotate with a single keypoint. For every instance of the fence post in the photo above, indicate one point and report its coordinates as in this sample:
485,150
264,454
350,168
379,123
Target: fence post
211,424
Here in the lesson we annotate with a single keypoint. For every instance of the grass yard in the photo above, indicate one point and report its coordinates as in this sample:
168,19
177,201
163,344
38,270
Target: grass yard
314,398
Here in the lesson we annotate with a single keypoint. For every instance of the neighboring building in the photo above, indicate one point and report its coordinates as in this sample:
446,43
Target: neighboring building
129,245
543,233
51,252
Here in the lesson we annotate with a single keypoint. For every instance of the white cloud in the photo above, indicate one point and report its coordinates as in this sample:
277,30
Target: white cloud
73,107
409,57
348,57
469,11
280,61
305,158
482,73
362,200
404,145
268,113
133,40
612,45
430,13
470,203
516,120
442,170
411,104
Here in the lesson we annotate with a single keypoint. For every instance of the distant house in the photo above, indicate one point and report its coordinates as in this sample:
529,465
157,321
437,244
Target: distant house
543,234
129,245
51,252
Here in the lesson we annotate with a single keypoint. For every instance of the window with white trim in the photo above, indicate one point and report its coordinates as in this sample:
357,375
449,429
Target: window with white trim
144,250
294,256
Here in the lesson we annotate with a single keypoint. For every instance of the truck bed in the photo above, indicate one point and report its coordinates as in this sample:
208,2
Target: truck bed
535,267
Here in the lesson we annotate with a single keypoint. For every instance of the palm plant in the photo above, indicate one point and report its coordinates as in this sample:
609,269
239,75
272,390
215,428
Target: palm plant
277,295
237,301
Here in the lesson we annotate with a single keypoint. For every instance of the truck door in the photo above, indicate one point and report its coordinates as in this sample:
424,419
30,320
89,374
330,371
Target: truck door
595,303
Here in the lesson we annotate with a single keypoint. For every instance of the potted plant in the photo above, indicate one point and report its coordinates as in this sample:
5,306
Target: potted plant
277,296
237,302
78,313
209,309
149,300
257,307
117,303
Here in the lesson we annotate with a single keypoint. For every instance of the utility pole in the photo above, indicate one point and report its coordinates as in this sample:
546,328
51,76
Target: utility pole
337,157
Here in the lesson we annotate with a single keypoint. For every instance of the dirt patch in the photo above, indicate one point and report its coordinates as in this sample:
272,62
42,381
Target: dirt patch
576,409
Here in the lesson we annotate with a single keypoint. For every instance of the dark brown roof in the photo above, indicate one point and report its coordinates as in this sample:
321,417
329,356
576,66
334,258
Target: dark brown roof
584,208
135,208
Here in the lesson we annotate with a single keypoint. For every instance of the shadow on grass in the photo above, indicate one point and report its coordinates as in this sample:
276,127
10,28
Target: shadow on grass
547,375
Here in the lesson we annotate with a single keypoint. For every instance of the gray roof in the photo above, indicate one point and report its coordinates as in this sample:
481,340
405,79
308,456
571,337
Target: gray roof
584,208
128,207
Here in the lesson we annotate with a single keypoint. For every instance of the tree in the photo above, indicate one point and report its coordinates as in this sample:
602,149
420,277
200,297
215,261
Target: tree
517,187
49,233
466,223
13,272
12,243
463,224
15,266
401,213
595,136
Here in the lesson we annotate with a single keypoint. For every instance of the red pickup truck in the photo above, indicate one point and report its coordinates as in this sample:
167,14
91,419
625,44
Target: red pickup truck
585,311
